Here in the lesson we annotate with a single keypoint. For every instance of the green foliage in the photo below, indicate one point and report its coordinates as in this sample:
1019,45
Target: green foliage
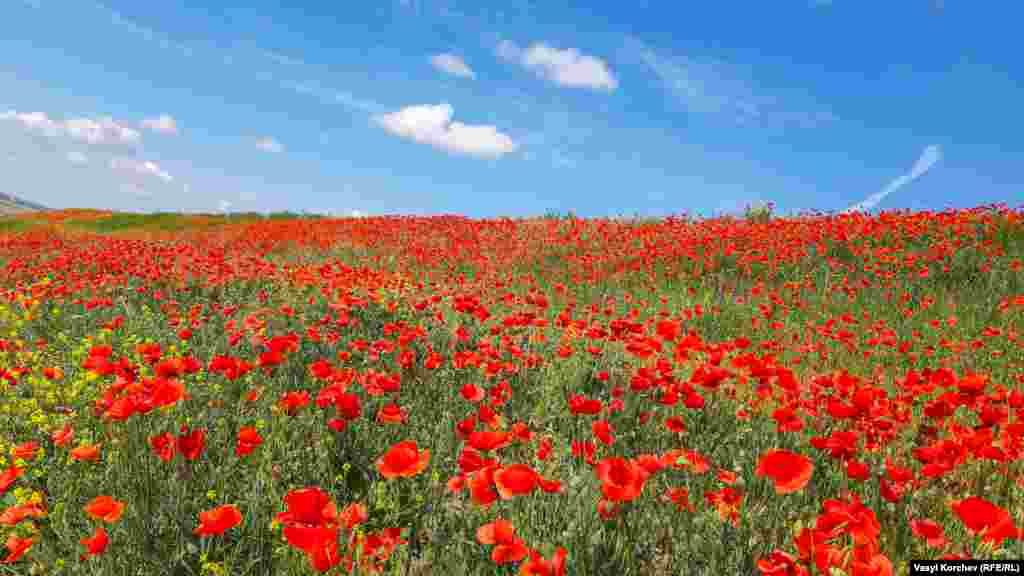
759,213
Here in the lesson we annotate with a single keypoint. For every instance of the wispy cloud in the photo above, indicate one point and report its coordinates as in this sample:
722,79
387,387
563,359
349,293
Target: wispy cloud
433,125
452,64
333,96
254,62
140,168
268,144
565,67
162,124
37,122
103,130
929,158
716,88
76,157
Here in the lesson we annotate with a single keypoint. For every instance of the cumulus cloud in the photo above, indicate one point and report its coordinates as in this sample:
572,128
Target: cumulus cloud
268,144
140,168
76,157
433,125
452,64
565,67
929,158
163,124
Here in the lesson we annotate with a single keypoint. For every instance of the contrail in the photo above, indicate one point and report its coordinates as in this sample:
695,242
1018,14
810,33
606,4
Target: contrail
931,155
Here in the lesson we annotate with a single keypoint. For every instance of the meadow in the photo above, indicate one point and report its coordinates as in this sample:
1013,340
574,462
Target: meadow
210,395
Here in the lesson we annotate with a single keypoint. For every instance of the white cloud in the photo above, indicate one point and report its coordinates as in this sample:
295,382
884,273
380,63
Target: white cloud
76,157
97,131
144,168
929,157
34,121
568,67
452,64
101,131
268,144
430,124
164,124
223,205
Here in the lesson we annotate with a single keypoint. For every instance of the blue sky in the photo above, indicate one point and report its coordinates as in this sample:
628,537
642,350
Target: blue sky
510,109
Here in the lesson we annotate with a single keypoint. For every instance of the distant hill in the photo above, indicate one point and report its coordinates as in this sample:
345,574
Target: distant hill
10,204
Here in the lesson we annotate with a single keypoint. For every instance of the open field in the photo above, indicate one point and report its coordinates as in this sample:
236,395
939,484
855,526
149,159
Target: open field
195,395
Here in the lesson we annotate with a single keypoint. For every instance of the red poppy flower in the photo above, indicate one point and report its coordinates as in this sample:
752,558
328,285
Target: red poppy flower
218,520
582,405
681,498
309,507
779,563
16,548
472,392
727,501
8,477
515,480
403,459
348,406
675,424
163,446
929,531
788,470
293,401
539,566
857,470
983,516
95,544
15,514
191,444
391,414
89,452
62,436
501,534
353,515
487,440
603,431
105,508
621,480
248,440
318,542
683,458
481,487
167,392
544,449
25,451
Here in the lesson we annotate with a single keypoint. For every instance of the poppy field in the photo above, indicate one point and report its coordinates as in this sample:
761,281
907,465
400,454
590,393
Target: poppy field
211,395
